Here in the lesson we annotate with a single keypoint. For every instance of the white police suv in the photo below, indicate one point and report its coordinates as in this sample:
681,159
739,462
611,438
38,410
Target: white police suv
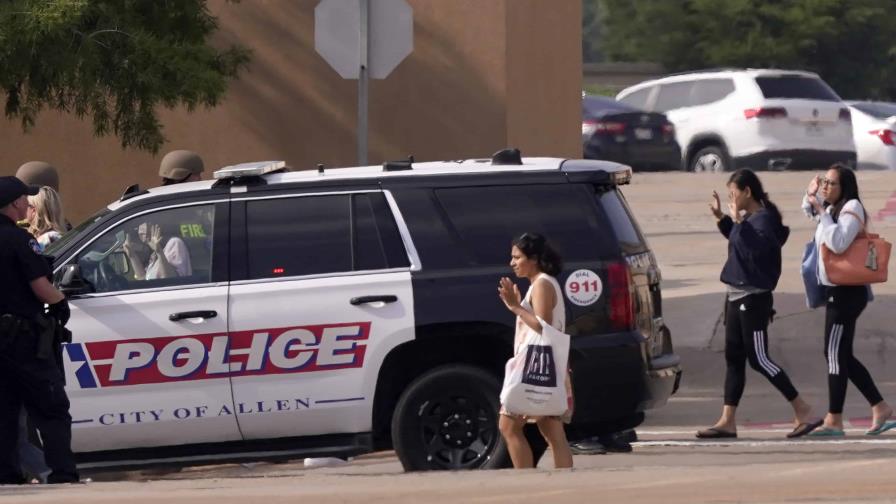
269,314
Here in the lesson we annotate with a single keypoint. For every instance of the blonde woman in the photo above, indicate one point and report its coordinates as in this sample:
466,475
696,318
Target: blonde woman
45,220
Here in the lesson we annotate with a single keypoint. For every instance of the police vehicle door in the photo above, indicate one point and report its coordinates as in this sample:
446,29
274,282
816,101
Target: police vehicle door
147,365
325,294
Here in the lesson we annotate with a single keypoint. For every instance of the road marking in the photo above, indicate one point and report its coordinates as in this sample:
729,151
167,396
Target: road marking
889,209
690,431
768,442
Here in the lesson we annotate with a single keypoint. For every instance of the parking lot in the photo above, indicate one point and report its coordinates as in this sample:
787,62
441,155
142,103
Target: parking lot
667,464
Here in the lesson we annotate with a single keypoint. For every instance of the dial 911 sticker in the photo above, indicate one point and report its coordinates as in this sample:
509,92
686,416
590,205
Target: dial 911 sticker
583,287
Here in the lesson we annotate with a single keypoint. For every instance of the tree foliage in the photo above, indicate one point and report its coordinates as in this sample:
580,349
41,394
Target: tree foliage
115,61
852,45
591,28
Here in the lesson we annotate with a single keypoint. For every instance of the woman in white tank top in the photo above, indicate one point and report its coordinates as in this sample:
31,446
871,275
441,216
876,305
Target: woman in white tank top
533,258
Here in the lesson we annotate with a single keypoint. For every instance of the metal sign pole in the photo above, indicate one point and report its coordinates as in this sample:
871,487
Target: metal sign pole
363,78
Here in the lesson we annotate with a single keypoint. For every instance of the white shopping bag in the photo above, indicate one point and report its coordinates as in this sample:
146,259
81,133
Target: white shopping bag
535,377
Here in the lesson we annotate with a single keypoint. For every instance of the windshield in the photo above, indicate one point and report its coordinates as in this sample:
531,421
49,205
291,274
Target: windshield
73,233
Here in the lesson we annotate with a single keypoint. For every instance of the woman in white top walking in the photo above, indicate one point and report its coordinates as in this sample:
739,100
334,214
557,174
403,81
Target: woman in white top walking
841,216
534,259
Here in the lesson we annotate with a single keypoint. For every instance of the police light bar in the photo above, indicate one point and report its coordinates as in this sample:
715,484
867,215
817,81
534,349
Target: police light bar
622,176
597,171
254,169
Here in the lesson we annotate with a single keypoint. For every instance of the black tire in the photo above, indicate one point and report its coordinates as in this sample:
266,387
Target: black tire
447,419
710,159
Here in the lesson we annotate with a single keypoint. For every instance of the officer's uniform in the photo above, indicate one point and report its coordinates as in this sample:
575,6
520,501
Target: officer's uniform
26,378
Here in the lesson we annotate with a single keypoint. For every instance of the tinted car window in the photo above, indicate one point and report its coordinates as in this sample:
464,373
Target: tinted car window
377,242
158,249
879,110
711,90
598,105
618,214
299,236
673,96
321,234
565,214
638,99
796,86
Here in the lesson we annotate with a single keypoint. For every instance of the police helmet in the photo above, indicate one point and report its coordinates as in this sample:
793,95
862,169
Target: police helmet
177,165
39,173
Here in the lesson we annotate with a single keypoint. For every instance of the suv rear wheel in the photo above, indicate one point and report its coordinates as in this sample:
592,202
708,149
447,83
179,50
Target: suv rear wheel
448,419
710,159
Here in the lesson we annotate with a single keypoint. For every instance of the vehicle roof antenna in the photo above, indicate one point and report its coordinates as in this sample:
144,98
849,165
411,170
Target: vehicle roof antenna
509,156
401,165
320,168
132,191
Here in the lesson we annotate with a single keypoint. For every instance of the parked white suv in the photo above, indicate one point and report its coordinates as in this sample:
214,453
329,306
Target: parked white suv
753,118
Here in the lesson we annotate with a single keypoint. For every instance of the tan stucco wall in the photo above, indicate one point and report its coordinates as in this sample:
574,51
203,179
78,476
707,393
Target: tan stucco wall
484,74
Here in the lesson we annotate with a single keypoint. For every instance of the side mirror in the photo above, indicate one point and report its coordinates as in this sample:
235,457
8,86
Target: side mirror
71,282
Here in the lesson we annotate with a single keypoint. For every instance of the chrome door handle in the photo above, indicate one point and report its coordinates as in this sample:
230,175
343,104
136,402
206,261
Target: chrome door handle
388,298
203,314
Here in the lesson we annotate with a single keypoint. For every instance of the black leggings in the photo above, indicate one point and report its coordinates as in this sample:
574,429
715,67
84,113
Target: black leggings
746,340
845,304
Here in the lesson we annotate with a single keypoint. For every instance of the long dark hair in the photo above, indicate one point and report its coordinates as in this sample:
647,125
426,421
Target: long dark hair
849,190
744,178
533,245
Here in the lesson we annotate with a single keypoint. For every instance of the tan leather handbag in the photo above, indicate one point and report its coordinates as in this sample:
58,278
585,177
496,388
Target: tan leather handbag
864,262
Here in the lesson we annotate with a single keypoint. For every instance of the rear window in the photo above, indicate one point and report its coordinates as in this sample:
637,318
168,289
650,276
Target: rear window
631,241
596,106
879,110
486,219
796,87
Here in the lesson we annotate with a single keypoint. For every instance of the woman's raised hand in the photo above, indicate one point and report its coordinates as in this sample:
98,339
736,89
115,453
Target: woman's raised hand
816,204
509,293
715,206
813,185
128,245
155,238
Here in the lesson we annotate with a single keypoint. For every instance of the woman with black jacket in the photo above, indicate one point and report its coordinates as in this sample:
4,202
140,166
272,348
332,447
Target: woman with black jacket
755,234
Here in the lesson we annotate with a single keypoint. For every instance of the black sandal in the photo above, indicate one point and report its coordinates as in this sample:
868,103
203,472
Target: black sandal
804,428
715,433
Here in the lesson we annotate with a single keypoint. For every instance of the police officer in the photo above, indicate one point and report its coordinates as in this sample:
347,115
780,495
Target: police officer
180,166
29,375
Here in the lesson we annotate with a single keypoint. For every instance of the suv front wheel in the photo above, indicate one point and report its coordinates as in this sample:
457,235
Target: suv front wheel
448,419
709,159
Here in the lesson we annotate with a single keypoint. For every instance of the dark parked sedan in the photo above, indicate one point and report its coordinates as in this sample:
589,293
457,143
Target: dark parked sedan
615,131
